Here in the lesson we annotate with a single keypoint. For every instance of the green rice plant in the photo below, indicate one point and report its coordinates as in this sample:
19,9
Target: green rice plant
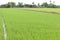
1,29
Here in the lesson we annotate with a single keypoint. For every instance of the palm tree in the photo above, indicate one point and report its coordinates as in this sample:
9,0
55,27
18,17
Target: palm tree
50,1
33,3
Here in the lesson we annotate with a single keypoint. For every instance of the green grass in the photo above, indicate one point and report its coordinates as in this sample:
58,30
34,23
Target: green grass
29,25
1,29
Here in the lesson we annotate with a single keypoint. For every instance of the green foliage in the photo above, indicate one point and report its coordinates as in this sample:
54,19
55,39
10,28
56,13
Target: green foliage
3,6
11,5
45,4
33,5
52,6
20,4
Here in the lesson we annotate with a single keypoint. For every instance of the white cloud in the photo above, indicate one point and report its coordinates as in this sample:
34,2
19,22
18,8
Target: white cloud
29,1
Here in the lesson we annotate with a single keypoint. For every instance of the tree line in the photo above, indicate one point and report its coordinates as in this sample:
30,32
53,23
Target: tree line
33,5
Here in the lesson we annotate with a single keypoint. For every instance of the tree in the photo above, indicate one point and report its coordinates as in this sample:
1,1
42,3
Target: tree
33,5
50,1
11,4
27,5
45,4
52,5
38,5
3,6
20,4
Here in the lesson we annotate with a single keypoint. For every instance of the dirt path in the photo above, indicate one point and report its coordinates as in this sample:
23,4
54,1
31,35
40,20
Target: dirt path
4,27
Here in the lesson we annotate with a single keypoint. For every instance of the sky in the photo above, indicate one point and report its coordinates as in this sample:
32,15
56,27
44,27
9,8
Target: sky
57,2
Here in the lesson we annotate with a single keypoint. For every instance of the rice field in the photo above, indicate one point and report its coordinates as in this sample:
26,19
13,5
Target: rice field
23,24
1,29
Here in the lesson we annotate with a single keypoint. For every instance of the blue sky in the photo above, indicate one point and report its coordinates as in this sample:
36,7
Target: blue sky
57,2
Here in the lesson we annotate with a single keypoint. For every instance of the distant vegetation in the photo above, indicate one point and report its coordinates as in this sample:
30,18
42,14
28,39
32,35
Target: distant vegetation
33,5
